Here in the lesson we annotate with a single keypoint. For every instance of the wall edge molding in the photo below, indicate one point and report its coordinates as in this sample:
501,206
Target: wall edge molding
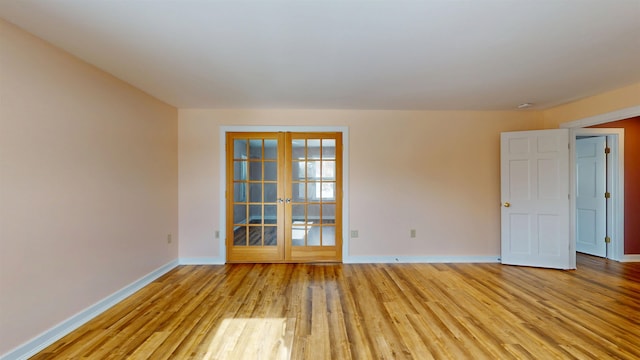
630,258
203,261
40,342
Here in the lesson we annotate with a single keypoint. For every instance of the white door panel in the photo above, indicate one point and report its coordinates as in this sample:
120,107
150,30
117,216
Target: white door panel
590,202
535,190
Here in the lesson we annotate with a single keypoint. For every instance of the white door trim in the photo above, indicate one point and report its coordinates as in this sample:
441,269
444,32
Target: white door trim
603,118
223,176
577,126
615,169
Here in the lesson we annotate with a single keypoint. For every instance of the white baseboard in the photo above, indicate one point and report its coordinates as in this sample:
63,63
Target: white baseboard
630,258
203,261
420,259
54,334
368,259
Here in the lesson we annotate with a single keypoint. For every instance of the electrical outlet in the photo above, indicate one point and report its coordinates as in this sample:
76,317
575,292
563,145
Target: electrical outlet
354,233
169,239
412,233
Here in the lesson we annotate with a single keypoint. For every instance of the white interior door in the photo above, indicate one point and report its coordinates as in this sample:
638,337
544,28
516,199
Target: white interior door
535,199
591,206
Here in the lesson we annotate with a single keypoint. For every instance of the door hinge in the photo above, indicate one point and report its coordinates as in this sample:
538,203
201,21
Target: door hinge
607,150
607,239
607,195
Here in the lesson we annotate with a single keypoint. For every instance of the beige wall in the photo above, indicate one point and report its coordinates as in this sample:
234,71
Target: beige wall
621,98
88,188
89,183
436,172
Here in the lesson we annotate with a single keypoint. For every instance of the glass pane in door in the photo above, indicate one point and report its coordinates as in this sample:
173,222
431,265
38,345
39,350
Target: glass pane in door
255,192
313,192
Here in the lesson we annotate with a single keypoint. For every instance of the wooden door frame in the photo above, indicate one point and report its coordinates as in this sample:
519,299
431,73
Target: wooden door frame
223,175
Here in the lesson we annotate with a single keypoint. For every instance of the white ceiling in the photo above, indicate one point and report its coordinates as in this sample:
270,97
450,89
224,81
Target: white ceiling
362,54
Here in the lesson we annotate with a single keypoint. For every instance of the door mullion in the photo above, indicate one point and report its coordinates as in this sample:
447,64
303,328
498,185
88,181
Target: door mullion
286,187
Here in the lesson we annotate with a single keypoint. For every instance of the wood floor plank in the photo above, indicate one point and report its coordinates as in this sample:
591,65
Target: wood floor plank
371,311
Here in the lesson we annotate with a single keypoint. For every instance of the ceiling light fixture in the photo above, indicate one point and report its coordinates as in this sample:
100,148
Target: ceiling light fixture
525,105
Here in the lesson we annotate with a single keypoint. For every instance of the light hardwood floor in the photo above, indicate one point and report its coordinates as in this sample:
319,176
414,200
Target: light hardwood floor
376,311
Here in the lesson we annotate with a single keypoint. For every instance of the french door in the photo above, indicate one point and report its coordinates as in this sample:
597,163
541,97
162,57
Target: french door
284,197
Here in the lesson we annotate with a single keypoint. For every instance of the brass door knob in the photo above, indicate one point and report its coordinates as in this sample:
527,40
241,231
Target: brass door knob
507,204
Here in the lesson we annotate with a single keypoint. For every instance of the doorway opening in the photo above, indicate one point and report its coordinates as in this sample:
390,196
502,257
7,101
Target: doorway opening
597,191
579,128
